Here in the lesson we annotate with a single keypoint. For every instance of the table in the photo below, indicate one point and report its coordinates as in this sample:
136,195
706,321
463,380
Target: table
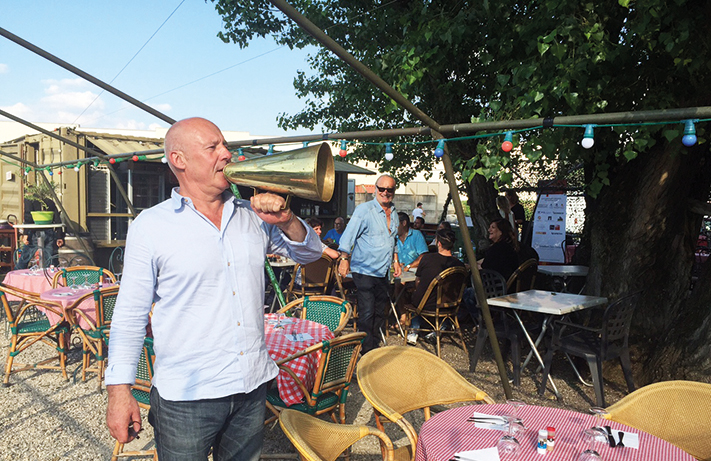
448,433
280,346
564,272
546,303
68,297
284,264
24,279
40,238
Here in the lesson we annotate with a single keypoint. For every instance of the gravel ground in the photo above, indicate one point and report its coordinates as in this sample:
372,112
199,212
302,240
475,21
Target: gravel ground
47,418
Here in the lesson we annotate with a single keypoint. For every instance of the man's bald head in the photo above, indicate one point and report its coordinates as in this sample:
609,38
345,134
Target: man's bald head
178,137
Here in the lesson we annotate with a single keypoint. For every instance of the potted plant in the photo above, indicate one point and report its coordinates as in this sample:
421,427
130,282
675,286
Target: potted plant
41,192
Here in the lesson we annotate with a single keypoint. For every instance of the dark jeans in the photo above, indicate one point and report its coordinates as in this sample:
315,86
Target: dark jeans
373,302
232,426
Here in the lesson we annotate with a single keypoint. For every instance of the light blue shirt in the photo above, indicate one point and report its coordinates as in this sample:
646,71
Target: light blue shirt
208,288
369,241
413,246
333,235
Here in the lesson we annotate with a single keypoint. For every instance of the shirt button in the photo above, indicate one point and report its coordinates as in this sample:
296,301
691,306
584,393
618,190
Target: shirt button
239,324
241,353
229,263
233,293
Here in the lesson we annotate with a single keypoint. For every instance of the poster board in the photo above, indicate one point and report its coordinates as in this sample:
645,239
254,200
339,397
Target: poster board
549,227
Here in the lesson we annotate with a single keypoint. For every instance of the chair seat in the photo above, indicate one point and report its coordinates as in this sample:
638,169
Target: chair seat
141,396
327,400
38,326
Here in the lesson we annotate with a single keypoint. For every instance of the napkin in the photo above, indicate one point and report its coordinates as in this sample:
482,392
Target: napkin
495,425
629,439
298,336
284,321
485,454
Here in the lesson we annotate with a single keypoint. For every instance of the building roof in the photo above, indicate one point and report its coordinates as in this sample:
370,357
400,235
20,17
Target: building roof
365,189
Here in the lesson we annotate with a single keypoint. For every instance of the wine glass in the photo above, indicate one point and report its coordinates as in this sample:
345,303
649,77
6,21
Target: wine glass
599,413
592,436
280,316
508,445
517,424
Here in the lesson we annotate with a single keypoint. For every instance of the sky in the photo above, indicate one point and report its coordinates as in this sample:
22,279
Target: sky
173,73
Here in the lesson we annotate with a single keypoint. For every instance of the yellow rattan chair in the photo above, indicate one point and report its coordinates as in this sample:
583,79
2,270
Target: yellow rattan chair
315,279
400,379
676,411
29,325
327,310
318,440
524,278
78,275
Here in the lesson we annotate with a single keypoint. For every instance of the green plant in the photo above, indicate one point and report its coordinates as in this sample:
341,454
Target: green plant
42,192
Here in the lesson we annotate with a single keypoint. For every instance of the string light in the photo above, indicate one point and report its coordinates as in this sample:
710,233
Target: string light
507,145
270,151
305,144
241,156
439,151
343,152
689,138
112,161
76,168
134,158
588,138
388,151
164,159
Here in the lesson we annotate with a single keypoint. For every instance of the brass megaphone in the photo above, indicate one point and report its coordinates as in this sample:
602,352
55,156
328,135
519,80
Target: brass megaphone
307,173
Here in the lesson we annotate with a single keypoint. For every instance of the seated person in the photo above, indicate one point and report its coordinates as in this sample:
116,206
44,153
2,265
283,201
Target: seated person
502,256
411,245
419,223
317,225
431,265
52,239
334,235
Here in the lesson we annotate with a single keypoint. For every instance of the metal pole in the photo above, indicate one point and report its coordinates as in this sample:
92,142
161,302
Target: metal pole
75,70
449,172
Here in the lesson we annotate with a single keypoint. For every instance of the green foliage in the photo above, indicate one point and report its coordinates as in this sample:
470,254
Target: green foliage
495,61
41,192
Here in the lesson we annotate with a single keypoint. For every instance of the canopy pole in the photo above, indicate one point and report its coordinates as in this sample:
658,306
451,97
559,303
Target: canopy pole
448,169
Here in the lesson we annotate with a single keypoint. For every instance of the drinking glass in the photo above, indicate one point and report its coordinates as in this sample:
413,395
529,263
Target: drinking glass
592,436
599,413
517,424
279,319
508,445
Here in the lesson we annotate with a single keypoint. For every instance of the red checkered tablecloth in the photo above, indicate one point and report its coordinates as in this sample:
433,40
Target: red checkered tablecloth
449,432
281,345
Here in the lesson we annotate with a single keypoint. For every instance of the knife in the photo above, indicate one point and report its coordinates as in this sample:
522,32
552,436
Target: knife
610,437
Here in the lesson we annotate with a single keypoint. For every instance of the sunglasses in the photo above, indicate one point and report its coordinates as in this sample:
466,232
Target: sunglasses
389,190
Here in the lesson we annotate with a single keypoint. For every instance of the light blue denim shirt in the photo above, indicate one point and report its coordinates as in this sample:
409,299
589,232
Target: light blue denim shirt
369,241
208,288
412,248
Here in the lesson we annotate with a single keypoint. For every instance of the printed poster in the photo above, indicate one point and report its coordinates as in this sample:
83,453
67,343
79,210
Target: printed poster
549,227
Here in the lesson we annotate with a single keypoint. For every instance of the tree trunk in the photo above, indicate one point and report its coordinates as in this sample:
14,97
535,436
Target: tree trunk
482,205
643,236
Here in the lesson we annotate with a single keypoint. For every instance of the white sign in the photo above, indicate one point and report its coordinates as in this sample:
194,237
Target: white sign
549,228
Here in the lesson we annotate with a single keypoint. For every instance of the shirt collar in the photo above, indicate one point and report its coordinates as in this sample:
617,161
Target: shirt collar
179,201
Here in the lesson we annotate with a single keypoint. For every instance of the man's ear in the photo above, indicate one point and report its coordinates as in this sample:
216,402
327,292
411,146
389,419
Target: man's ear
177,159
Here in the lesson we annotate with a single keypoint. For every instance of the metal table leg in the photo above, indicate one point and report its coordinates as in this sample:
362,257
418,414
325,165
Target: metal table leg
534,350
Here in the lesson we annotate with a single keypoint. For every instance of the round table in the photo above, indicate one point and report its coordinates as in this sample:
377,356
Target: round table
449,432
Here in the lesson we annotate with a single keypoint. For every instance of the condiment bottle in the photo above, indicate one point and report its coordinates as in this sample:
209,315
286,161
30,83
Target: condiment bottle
542,444
551,438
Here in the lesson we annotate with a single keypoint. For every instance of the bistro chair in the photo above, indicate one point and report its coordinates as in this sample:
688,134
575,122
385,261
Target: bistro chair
315,279
29,325
346,290
523,278
448,287
141,391
326,310
332,380
676,411
608,341
78,275
318,440
399,379
494,286
95,338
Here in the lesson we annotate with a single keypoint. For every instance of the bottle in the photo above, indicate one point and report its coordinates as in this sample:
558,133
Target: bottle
550,443
542,444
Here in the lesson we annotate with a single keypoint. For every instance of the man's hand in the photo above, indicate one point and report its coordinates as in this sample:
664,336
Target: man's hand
269,208
398,271
122,412
343,267
60,243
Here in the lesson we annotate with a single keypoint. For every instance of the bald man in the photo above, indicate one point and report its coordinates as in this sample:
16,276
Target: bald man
199,256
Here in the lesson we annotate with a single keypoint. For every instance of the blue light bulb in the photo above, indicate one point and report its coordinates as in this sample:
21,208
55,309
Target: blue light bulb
439,151
689,138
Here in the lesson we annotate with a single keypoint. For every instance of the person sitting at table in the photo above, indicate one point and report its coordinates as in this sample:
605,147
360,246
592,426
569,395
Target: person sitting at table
431,265
502,256
419,223
411,245
52,239
317,225
334,235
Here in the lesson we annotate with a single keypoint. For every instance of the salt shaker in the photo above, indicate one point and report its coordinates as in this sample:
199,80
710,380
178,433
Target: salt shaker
542,444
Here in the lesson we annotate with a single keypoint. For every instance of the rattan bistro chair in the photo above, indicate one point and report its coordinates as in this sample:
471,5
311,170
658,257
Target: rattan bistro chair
676,411
29,326
524,277
95,339
326,310
315,279
318,440
77,275
331,383
399,379
346,289
448,288
141,391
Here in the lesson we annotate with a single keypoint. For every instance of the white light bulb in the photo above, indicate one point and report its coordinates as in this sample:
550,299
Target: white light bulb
587,143
76,168
164,159
389,156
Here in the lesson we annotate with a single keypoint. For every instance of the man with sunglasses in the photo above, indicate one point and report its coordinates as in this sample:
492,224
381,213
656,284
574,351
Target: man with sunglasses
368,250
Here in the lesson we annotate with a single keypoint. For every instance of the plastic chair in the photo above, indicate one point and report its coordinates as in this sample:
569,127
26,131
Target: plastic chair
331,383
596,345
141,391
448,287
30,326
495,285
95,339
523,278
676,411
326,310
399,379
318,440
315,279
67,276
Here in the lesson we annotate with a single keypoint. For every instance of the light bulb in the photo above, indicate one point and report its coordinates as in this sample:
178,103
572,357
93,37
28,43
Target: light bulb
388,151
164,159
507,145
76,168
343,152
588,138
689,138
439,151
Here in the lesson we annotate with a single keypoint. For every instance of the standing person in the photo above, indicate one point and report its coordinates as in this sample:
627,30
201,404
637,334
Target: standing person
418,212
334,235
199,256
505,211
431,265
368,251
52,239
517,210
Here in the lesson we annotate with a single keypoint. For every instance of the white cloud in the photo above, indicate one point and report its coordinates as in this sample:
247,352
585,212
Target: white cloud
19,109
4,69
161,107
